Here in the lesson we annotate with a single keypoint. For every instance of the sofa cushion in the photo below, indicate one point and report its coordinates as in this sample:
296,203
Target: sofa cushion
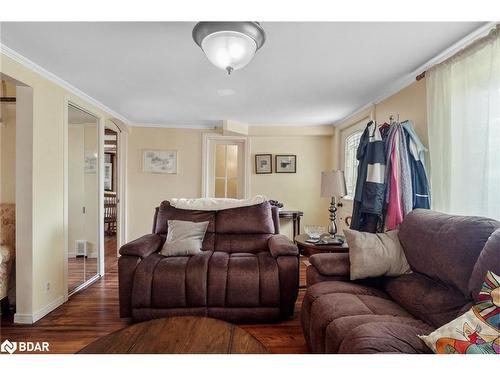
444,247
489,260
242,243
255,219
326,302
167,212
385,336
213,279
433,302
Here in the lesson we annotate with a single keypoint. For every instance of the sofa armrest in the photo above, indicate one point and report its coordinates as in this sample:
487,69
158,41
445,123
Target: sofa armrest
280,245
143,246
331,264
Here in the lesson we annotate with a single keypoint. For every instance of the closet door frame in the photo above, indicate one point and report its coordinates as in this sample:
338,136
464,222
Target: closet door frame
100,172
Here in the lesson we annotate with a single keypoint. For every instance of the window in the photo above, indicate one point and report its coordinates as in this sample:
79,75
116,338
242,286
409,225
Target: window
463,116
351,162
226,171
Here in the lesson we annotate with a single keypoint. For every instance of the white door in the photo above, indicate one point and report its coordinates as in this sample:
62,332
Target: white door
349,141
225,167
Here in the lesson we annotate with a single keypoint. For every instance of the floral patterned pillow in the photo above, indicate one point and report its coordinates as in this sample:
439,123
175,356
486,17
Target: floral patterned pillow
475,332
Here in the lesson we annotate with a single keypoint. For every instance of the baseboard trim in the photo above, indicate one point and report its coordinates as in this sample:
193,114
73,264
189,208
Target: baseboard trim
32,318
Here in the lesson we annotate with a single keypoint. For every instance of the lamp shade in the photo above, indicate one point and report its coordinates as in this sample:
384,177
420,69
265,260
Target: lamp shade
229,45
229,50
333,184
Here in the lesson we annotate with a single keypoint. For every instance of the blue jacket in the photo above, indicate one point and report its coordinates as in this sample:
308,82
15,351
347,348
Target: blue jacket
416,151
369,198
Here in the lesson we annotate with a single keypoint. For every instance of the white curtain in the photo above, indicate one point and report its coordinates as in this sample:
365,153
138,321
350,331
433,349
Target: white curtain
463,114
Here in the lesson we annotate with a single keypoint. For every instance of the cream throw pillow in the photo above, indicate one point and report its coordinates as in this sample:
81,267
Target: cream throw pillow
184,238
375,254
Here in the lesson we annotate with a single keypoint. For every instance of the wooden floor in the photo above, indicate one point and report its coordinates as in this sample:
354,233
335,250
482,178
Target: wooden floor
81,269
93,312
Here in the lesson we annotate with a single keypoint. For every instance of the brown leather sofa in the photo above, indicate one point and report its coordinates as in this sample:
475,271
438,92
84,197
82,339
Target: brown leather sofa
247,271
449,257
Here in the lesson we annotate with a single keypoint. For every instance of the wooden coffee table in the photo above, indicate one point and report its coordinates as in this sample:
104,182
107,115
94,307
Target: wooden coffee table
307,249
178,335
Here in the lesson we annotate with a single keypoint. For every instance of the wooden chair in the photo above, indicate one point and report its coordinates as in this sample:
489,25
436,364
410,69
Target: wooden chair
110,213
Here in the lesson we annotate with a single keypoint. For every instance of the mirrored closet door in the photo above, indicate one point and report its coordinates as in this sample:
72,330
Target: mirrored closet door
83,198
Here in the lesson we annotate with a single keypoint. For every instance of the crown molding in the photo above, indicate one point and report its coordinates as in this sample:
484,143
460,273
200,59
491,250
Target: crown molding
179,126
17,57
408,79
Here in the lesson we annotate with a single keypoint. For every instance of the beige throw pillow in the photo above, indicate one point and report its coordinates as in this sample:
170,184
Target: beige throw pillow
375,254
184,238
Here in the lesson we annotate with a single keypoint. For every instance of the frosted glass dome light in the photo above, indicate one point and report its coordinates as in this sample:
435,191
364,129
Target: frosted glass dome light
229,45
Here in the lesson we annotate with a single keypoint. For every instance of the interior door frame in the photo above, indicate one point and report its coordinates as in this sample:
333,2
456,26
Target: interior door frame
100,209
210,139
121,169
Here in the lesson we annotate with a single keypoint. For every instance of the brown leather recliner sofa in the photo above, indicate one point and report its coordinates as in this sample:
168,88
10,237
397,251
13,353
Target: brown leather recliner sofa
247,271
449,256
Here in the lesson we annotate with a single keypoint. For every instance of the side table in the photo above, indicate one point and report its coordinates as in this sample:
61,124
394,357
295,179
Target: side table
307,248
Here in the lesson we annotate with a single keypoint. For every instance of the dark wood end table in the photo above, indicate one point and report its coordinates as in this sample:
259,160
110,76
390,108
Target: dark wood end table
307,248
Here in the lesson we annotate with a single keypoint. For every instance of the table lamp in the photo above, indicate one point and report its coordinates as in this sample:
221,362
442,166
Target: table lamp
333,186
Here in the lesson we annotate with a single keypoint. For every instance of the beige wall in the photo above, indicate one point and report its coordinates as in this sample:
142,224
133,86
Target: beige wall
145,191
301,190
298,191
8,154
410,103
48,244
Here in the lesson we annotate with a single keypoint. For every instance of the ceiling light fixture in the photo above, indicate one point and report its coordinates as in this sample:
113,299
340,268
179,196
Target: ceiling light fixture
229,45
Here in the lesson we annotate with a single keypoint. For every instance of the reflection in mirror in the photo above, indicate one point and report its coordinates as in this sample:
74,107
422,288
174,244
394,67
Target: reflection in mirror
83,197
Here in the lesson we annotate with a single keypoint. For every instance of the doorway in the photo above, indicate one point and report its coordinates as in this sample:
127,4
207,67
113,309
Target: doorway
225,166
83,240
7,195
111,196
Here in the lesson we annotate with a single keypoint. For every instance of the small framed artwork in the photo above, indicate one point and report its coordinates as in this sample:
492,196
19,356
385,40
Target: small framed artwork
159,161
263,163
108,176
286,164
90,161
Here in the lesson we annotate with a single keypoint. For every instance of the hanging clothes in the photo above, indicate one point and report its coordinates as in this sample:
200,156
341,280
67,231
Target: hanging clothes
416,154
399,193
369,197
394,214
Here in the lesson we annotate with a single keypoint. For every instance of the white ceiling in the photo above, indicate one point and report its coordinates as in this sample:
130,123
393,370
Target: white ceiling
306,72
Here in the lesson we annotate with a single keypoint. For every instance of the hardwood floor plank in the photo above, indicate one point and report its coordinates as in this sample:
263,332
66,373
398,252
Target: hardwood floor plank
94,312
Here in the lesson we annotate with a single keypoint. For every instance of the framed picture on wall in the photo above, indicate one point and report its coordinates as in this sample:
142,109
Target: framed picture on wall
286,164
90,161
108,176
263,163
159,161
